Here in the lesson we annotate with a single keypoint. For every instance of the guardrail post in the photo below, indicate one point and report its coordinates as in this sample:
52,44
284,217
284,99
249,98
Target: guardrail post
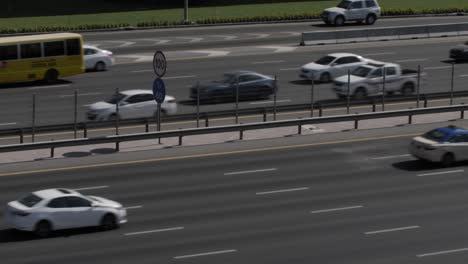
146,126
21,136
33,119
52,151
312,97
320,110
207,121
85,130
241,134
348,92
410,118
356,123
383,88
237,101
198,104
275,97
462,113
425,100
180,140
264,114
75,115
452,83
117,114
418,86
117,146
299,129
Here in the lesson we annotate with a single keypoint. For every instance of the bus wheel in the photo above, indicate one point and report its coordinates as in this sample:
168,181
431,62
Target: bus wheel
51,76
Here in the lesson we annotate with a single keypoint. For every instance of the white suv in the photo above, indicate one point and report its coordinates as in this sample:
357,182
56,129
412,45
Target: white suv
352,10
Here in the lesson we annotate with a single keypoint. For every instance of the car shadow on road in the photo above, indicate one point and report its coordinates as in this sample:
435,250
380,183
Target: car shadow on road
13,235
420,165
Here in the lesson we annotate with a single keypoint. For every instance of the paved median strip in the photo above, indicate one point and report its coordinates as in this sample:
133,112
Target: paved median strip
282,191
440,173
391,230
442,252
336,209
154,231
251,171
206,254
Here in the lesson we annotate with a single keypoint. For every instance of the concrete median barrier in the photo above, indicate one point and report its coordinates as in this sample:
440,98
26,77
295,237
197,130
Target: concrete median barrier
463,29
413,32
354,35
443,30
319,37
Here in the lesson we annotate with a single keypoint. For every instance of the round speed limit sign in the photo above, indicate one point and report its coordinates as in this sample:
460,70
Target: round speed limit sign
159,63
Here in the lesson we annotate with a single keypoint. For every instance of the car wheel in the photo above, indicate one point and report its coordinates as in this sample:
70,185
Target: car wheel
109,222
447,160
370,19
407,89
100,66
325,77
339,21
43,228
51,76
360,93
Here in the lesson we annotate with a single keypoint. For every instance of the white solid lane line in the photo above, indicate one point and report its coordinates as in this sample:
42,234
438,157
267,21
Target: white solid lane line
7,124
133,207
290,69
282,191
440,173
464,75
91,188
142,71
83,94
391,157
270,102
206,254
48,86
336,209
180,77
154,231
251,171
442,252
435,68
267,62
411,60
391,230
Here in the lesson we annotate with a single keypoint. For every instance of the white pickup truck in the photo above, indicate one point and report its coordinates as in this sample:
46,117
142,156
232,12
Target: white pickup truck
367,80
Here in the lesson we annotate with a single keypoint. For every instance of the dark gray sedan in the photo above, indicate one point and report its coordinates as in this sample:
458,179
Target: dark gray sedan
245,84
459,52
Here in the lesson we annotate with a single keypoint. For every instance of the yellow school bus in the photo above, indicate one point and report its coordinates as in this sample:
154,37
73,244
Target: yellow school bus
40,57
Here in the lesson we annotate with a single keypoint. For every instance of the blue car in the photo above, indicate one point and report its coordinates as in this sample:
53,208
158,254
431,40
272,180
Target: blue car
445,145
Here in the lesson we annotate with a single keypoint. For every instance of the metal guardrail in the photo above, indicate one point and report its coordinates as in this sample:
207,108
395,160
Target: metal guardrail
384,33
206,116
232,128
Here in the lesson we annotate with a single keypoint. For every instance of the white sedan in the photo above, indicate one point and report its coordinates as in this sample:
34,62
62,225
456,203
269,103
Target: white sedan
132,104
53,209
97,59
331,66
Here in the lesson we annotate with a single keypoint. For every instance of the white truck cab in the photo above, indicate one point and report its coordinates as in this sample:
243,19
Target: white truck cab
367,11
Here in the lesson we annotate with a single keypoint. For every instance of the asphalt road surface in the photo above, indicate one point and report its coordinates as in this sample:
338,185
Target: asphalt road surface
337,198
55,103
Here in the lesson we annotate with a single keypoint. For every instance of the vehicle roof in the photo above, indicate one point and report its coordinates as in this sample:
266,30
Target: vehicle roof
37,37
90,47
54,193
376,64
343,54
136,91
242,72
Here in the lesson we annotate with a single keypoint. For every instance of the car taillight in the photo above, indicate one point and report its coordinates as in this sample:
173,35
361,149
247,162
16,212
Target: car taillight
110,55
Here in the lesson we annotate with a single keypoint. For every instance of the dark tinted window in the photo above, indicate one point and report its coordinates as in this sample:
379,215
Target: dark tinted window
134,99
376,73
58,203
356,5
73,47
390,71
30,200
78,202
325,60
89,51
31,50
56,48
9,52
370,3
361,71
116,98
346,60
146,97
344,4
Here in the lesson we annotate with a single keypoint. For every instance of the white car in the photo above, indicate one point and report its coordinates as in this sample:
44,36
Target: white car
53,209
132,104
331,66
352,10
97,59
445,145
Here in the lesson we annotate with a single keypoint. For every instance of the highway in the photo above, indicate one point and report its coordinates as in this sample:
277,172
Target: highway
355,197
274,56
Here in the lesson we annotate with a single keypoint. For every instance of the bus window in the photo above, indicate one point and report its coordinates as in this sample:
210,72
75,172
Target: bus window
31,50
73,47
9,52
55,48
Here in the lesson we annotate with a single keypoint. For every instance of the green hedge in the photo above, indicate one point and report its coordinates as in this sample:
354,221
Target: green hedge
213,20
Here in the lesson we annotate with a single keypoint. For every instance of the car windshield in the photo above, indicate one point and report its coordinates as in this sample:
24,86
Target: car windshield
436,135
325,60
344,4
228,78
361,71
30,200
116,98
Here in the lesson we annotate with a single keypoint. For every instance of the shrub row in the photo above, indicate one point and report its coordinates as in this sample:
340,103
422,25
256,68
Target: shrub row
217,20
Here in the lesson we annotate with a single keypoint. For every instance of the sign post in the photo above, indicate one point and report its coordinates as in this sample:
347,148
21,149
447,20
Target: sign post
159,88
